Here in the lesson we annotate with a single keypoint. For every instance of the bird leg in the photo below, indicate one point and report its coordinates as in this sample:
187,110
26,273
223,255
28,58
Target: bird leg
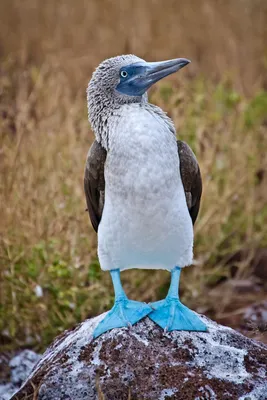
170,314
125,312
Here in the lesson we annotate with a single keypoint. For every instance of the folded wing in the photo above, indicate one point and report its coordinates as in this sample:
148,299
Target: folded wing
191,178
94,181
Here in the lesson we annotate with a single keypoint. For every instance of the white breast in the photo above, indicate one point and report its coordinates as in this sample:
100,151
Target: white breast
145,221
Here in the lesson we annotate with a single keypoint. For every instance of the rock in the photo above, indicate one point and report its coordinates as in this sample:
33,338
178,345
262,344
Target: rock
14,370
255,316
144,363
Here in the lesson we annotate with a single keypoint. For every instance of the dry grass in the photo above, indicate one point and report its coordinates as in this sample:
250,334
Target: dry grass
49,276
220,36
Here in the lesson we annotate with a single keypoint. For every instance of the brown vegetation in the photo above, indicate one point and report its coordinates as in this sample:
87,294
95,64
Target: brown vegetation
49,276
220,36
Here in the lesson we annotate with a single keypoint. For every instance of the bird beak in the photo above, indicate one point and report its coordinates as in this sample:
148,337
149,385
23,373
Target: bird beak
145,74
158,70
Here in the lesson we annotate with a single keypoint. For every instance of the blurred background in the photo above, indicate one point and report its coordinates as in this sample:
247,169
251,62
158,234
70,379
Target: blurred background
49,274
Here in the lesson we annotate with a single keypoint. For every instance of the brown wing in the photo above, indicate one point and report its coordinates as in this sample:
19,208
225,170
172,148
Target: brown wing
191,178
94,182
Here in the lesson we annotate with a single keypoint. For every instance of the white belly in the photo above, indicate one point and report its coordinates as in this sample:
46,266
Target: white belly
145,221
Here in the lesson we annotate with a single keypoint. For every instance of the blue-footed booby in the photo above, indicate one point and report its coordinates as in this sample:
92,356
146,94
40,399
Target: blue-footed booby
142,187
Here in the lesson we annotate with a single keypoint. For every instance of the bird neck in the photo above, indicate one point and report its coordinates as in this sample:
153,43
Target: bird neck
104,116
99,122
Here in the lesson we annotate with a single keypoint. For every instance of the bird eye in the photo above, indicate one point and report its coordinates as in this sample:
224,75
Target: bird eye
124,74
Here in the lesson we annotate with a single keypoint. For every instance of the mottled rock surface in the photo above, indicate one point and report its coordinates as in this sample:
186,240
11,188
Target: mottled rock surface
144,363
14,369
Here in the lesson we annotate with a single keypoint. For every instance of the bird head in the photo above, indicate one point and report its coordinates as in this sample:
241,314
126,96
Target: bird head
122,80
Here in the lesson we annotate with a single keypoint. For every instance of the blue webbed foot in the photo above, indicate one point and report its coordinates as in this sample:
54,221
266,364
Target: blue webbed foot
171,315
124,313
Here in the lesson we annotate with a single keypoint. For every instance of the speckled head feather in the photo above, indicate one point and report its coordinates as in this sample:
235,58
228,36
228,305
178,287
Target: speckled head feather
102,96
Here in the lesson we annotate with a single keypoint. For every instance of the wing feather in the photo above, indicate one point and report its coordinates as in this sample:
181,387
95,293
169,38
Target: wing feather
94,182
191,178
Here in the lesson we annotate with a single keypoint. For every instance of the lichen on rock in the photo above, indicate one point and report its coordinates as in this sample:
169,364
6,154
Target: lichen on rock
144,363
14,369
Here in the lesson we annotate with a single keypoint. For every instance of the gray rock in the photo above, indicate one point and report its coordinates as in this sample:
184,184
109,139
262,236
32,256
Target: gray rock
14,370
144,363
